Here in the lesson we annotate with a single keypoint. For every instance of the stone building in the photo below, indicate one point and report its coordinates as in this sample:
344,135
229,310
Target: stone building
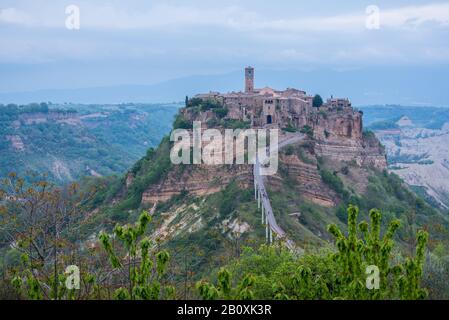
249,79
270,107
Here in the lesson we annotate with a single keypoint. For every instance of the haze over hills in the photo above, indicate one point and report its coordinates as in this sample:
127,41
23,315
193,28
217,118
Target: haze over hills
413,86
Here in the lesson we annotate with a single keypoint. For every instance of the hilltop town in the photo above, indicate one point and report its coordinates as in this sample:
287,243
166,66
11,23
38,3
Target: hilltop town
269,107
336,127
334,130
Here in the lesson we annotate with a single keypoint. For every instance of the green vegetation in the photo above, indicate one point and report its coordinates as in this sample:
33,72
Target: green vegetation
71,141
369,135
143,271
201,105
307,130
221,112
275,273
204,105
268,272
147,171
136,271
211,246
223,290
389,193
409,158
290,128
334,182
317,101
235,124
181,123
323,113
232,195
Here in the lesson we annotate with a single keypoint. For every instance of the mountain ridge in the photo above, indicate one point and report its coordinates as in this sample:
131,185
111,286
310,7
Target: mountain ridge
383,86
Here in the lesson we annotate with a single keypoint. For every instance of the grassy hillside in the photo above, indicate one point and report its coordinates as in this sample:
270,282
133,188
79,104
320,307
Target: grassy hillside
206,232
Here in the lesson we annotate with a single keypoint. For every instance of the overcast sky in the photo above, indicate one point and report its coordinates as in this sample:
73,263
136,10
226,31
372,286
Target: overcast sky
144,42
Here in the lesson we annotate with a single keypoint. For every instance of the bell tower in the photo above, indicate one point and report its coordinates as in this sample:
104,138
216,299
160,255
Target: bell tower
249,79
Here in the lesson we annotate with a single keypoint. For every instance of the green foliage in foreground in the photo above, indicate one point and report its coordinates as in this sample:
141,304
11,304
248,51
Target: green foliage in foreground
136,271
346,271
224,290
275,273
143,271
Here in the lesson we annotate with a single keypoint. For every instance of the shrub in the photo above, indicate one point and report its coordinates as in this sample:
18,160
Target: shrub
221,112
307,130
333,181
317,101
273,272
143,268
181,123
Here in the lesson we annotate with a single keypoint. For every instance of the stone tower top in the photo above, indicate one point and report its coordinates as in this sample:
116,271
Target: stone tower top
249,79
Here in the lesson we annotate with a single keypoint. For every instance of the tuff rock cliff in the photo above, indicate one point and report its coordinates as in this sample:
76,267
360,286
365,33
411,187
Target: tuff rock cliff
332,132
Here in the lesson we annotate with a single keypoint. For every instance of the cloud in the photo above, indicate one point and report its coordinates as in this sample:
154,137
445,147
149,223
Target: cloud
14,16
404,17
176,17
202,36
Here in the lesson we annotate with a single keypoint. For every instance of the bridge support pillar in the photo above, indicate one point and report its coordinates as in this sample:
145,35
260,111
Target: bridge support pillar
255,190
271,236
266,232
263,216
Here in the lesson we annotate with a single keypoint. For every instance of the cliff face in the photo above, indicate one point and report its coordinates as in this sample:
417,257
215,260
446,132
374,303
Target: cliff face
199,180
306,177
339,135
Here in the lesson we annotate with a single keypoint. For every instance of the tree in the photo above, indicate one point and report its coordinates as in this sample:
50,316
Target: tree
138,266
224,290
317,101
221,112
38,221
355,255
340,272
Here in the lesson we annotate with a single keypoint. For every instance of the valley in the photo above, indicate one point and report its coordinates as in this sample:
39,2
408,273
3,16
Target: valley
327,161
70,141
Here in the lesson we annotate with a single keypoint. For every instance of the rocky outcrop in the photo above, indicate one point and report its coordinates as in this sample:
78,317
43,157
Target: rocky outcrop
16,142
361,155
420,156
338,134
307,179
129,179
199,180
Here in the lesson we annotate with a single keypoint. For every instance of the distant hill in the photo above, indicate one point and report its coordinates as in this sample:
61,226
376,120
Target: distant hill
416,141
71,141
406,86
424,117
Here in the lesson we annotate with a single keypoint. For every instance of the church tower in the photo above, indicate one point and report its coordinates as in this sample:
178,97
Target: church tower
249,79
